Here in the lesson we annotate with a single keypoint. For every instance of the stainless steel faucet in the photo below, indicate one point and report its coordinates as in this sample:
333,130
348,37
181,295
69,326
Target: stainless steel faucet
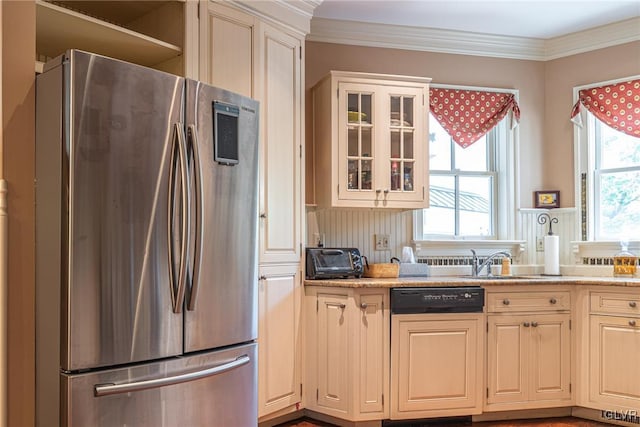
476,267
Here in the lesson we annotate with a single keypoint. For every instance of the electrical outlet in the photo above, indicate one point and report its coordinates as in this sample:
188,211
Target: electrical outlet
540,244
382,242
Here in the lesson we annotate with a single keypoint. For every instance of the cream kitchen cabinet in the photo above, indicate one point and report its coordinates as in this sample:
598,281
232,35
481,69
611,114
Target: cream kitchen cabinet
528,349
279,337
347,352
242,53
614,371
436,365
371,140
256,49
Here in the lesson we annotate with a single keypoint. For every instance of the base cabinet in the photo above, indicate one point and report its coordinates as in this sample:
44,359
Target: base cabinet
279,338
436,365
614,369
528,351
348,352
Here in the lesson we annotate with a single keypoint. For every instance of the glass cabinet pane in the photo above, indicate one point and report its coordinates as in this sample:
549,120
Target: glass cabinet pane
396,179
407,108
408,176
395,144
367,175
394,108
352,174
367,143
352,145
407,137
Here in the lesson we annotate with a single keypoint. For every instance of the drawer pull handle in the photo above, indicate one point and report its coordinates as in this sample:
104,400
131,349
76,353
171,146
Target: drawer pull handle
553,301
526,324
632,304
505,301
534,324
262,278
364,306
632,323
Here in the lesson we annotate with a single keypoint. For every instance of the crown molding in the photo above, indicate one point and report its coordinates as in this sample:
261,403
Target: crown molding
293,14
593,38
469,43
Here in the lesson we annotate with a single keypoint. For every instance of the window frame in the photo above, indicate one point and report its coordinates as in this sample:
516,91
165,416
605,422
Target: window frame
586,162
506,158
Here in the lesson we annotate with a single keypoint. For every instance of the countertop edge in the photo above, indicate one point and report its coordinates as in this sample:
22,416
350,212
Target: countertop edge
438,281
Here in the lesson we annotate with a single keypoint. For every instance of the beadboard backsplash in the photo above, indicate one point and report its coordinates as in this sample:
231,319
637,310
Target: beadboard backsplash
356,228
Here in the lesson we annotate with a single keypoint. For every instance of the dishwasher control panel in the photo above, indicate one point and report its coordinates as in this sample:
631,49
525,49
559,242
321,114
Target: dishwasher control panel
462,299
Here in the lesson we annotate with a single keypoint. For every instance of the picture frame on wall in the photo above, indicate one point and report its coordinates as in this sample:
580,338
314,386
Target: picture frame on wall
546,199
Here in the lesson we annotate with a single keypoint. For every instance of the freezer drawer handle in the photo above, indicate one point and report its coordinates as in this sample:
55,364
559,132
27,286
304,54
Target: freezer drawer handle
109,389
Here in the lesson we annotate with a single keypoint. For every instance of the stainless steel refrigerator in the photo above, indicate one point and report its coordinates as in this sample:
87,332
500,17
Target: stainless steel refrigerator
146,248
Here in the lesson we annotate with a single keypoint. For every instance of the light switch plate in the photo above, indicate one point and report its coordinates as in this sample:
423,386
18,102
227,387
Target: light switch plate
381,242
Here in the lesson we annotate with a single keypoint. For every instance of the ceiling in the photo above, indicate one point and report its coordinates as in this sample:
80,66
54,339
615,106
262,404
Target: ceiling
542,19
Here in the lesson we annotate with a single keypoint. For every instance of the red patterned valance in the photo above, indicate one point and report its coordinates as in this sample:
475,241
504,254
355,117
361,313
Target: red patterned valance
467,114
617,105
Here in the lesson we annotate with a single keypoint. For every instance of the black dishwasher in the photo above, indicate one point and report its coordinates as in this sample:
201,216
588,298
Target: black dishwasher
462,299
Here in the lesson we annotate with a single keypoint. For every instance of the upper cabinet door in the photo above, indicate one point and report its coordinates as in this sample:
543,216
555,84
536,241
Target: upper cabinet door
371,141
227,48
280,97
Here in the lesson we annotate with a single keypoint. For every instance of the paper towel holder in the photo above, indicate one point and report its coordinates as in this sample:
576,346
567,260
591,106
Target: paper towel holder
543,218
551,267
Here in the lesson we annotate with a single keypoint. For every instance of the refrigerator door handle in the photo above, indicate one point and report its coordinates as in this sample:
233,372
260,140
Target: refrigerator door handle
193,136
110,389
186,218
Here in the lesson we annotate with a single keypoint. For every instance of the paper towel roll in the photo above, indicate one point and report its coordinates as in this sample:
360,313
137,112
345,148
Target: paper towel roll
552,255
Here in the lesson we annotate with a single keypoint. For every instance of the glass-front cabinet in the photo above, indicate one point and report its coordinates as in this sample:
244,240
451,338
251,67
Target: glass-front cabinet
371,141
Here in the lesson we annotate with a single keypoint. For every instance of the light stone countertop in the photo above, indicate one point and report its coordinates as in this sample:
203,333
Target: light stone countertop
437,281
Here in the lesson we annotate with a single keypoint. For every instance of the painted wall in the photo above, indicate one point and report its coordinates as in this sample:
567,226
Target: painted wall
546,134
561,76
527,76
18,142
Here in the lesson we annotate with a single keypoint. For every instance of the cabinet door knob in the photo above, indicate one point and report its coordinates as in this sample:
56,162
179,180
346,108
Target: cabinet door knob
262,278
263,215
534,324
505,301
632,304
632,323
386,191
378,191
364,306
526,324
553,301
342,306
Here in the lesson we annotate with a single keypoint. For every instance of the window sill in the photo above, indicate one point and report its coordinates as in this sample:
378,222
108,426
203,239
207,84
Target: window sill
457,248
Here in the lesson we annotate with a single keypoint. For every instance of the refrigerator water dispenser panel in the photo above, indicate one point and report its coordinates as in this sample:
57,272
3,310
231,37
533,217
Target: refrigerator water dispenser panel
225,133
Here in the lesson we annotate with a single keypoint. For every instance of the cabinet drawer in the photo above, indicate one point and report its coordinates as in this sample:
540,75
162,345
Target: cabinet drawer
615,303
528,301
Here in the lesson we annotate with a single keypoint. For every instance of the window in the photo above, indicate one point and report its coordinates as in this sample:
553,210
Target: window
469,199
463,186
472,190
614,186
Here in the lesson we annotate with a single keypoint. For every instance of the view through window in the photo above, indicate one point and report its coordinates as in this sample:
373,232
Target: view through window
616,182
463,186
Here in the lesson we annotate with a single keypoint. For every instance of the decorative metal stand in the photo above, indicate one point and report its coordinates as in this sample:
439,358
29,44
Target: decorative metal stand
543,218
